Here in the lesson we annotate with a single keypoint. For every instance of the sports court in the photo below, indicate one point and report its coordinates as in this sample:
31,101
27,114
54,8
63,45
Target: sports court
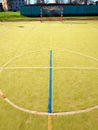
49,65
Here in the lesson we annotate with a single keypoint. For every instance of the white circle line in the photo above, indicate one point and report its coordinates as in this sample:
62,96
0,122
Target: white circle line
45,113
73,52
78,53
52,114
12,59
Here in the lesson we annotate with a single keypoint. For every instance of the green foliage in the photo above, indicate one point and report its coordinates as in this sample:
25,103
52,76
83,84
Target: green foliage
13,16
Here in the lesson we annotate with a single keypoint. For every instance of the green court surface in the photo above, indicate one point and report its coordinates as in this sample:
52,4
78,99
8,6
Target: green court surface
24,75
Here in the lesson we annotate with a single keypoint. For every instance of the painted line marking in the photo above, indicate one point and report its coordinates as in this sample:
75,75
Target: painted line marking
74,68
50,86
46,113
49,122
50,94
68,51
50,114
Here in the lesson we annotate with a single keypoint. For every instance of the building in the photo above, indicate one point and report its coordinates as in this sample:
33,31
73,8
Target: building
15,6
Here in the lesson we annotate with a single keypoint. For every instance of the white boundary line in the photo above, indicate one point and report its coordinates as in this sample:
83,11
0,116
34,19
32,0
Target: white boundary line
73,68
78,53
73,52
45,113
9,61
52,114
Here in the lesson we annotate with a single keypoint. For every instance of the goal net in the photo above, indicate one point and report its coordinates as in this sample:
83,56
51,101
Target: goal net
51,12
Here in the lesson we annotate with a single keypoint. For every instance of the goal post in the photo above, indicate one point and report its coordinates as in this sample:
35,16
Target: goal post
51,12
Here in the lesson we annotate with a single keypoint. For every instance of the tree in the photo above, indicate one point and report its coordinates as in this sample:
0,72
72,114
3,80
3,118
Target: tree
5,5
78,1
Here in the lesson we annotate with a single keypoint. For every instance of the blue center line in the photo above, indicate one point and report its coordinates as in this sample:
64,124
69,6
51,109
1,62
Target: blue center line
50,86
